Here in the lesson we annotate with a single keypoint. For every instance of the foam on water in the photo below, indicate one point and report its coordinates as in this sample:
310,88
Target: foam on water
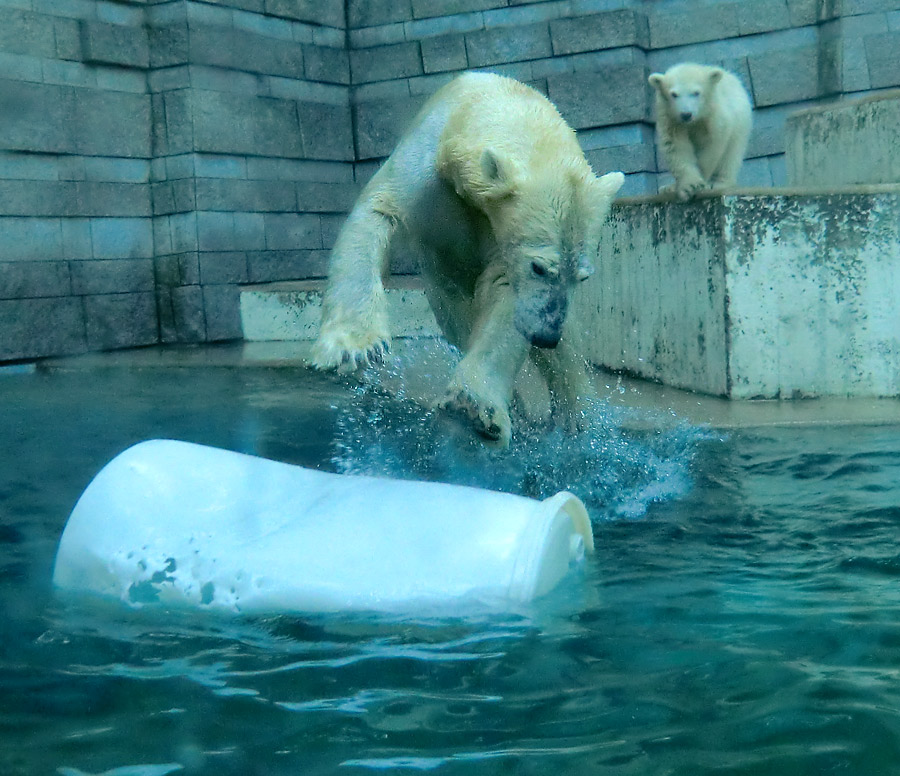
621,462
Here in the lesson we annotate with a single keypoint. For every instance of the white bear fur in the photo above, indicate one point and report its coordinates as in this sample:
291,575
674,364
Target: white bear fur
703,121
492,185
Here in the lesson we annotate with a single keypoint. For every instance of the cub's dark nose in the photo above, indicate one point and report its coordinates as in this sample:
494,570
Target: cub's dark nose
686,116
544,341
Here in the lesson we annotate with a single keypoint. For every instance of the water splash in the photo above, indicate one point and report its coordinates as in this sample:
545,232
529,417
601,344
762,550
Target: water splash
623,460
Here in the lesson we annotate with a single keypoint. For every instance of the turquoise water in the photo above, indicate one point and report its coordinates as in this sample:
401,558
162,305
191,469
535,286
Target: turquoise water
740,615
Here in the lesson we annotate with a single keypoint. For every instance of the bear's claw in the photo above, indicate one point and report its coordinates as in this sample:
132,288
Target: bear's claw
487,420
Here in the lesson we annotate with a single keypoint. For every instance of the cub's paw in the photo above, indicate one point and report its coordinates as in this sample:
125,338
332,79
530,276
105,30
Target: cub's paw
347,353
685,189
488,419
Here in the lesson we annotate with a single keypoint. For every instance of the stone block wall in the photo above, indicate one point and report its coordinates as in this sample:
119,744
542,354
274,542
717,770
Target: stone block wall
155,156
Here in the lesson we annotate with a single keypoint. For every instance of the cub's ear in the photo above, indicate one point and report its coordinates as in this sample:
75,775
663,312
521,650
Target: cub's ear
715,75
657,81
499,174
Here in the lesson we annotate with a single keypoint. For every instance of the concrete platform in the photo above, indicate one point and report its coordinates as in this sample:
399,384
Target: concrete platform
291,311
845,143
758,294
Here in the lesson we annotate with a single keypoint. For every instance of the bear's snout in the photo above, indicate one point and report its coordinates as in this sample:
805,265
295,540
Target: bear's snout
686,116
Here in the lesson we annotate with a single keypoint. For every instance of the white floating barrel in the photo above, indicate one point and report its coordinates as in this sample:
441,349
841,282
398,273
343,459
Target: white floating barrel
175,523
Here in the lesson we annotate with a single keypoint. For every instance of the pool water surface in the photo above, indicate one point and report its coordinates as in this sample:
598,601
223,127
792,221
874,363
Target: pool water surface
741,614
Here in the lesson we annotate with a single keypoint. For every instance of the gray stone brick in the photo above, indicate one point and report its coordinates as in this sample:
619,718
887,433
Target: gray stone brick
370,13
76,238
327,12
30,239
177,269
120,321
625,158
254,196
122,238
508,44
384,35
112,276
97,198
443,25
291,231
785,76
326,132
379,125
327,64
599,31
86,112
883,54
446,52
110,169
181,317
184,231
114,44
246,51
237,124
34,279
694,24
326,197
331,225
803,12
222,307
32,117
169,45
617,95
271,266
249,231
32,328
385,63
855,7
426,8
223,267
763,16
22,32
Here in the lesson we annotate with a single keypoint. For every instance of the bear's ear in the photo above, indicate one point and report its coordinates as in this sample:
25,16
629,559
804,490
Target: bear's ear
657,81
499,175
715,75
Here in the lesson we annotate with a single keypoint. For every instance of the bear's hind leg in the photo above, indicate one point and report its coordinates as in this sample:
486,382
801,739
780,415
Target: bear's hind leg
355,330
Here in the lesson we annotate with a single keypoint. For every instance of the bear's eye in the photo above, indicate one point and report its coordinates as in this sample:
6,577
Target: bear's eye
674,95
695,94
538,269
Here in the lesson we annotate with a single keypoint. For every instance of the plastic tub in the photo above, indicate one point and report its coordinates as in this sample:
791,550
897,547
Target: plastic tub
174,523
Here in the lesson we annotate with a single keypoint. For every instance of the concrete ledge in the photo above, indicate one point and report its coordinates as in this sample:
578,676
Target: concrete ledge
845,143
756,294
291,311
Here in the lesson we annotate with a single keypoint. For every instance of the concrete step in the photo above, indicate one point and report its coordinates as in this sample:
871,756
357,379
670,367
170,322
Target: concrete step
291,310
845,143
757,294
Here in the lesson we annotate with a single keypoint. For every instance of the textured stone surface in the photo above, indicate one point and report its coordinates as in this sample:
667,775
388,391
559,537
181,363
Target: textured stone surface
845,143
179,148
751,296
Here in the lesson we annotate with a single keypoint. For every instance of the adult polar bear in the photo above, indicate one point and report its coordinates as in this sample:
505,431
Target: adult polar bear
492,184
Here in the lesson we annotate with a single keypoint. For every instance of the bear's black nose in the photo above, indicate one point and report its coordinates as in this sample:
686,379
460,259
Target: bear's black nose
544,341
686,116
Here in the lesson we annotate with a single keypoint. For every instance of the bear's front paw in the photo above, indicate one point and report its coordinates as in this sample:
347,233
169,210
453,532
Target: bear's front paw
686,188
347,353
490,420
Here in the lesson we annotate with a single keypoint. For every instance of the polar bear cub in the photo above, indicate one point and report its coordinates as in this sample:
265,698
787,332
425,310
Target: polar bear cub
703,120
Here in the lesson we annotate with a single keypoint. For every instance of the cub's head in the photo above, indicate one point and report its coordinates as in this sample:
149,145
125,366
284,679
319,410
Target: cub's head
548,225
686,90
